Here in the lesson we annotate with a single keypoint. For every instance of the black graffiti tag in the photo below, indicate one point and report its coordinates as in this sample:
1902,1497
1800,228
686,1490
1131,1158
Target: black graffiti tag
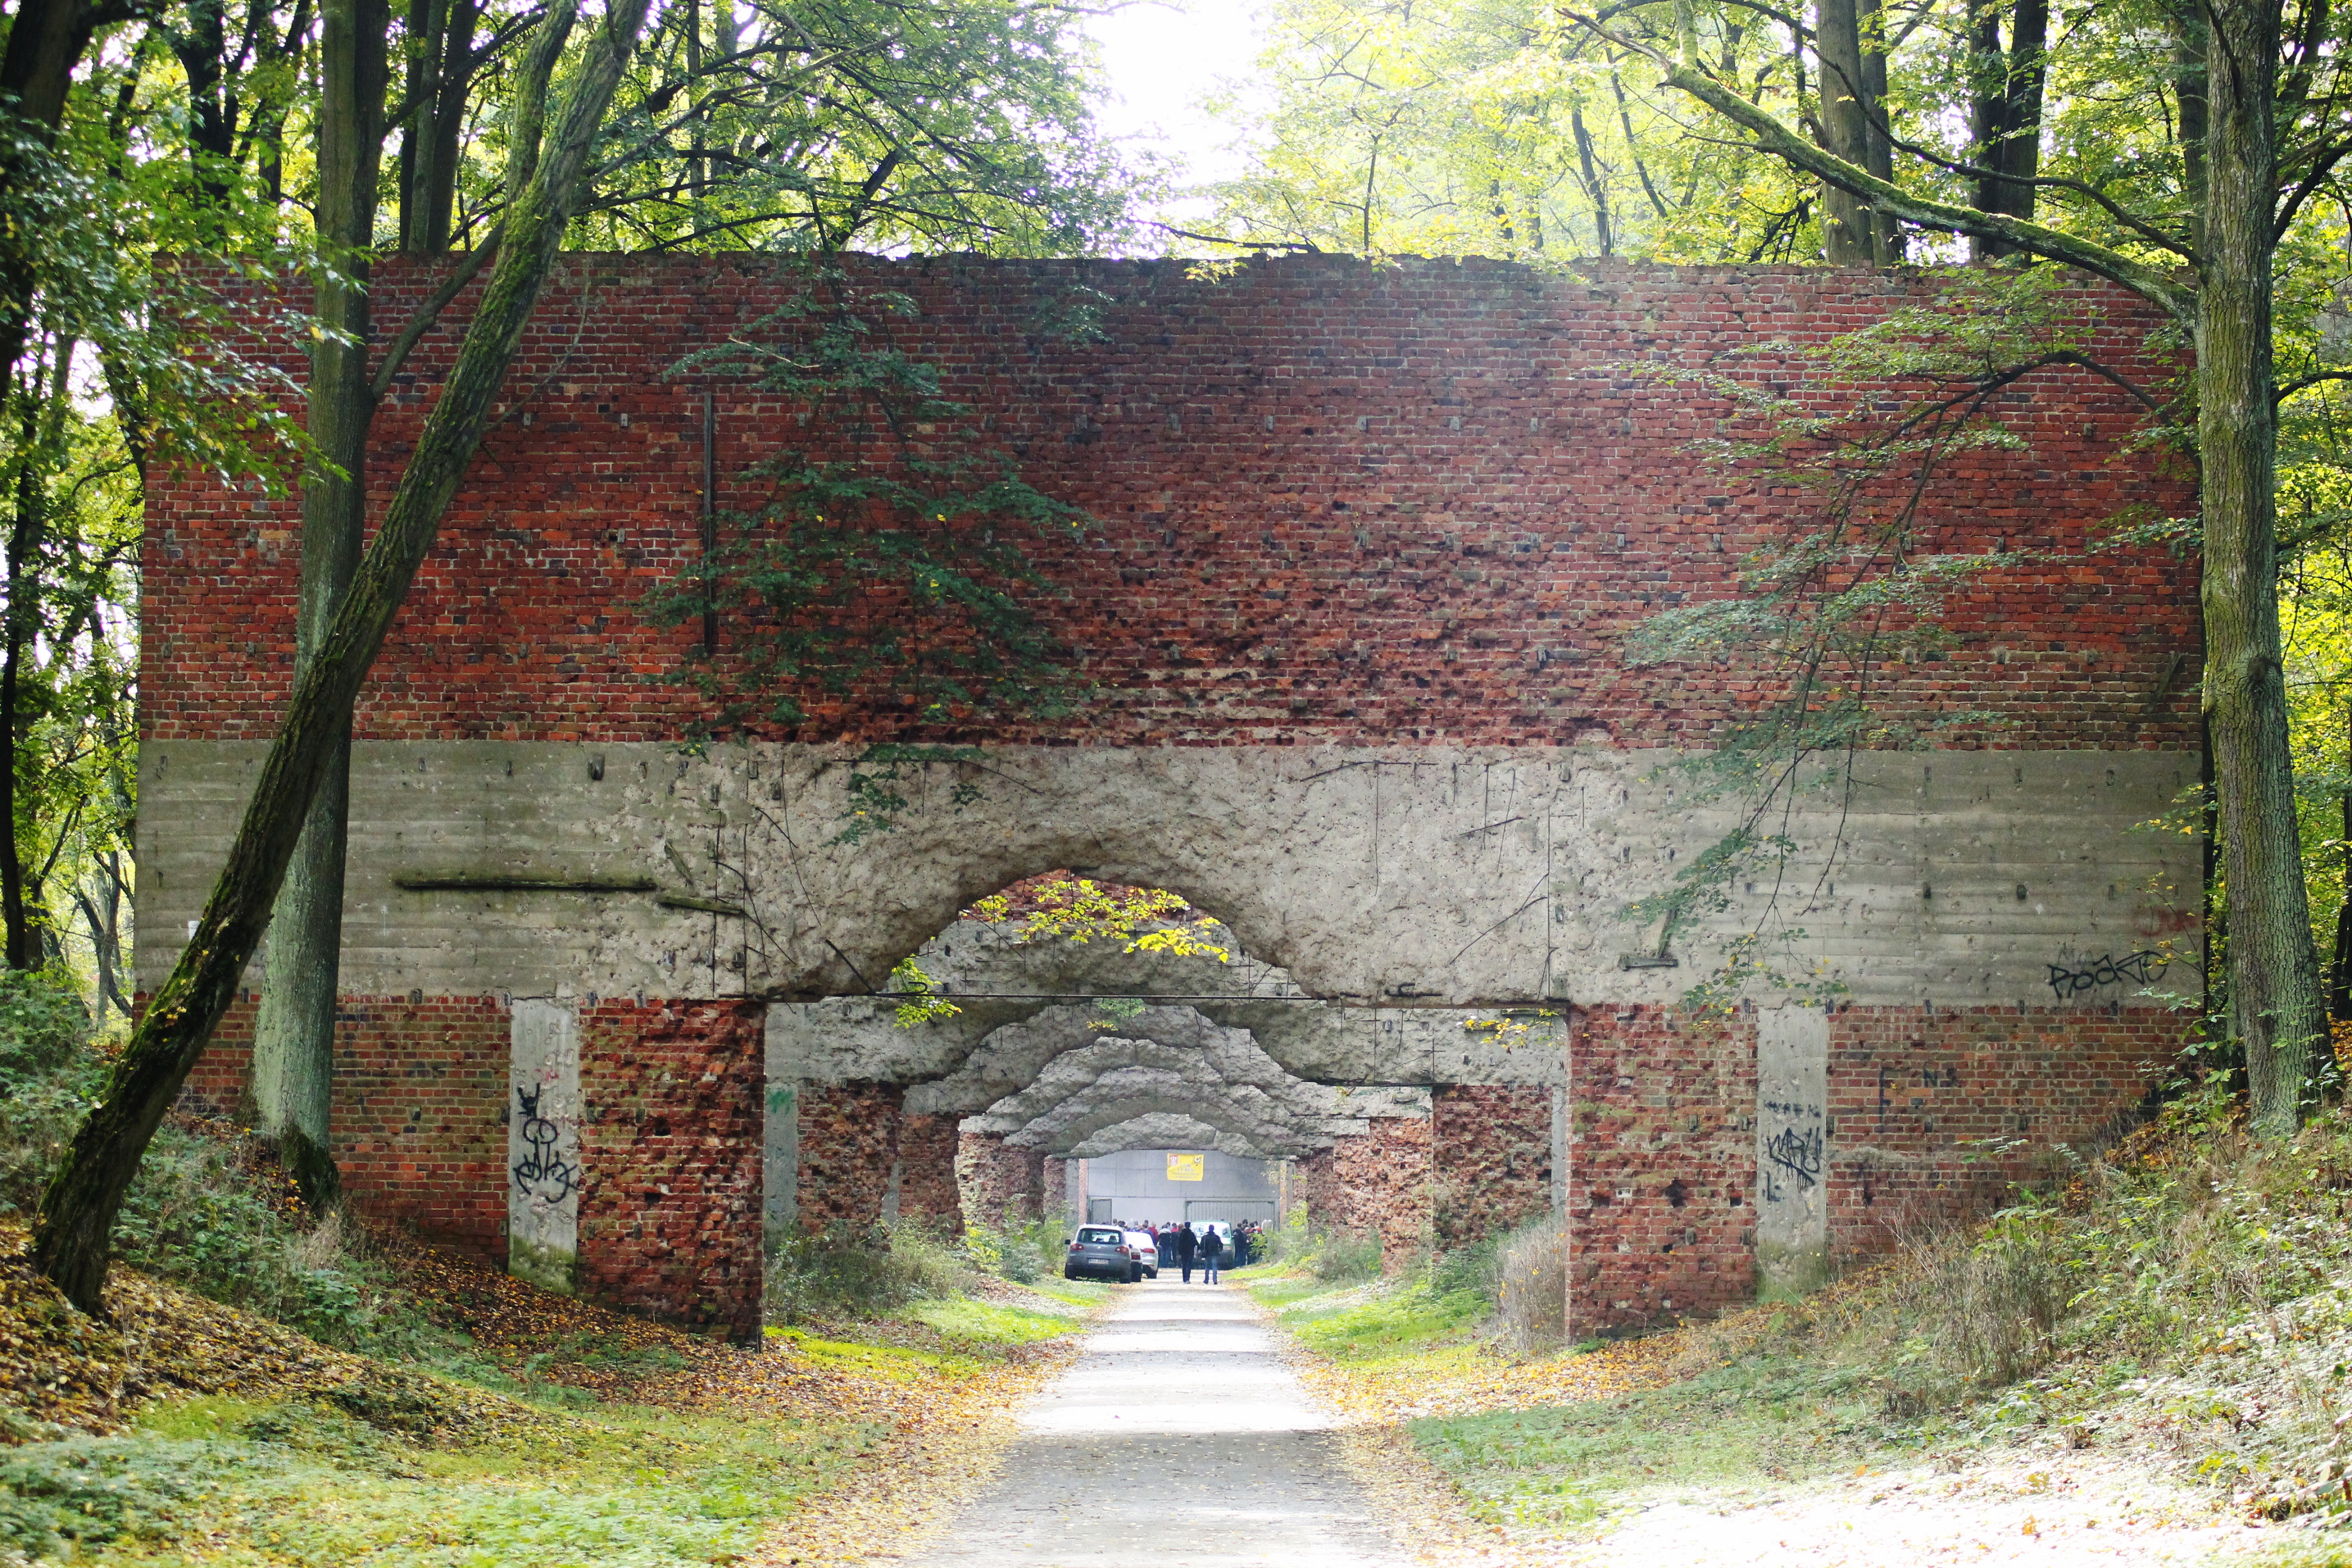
2141,968
1799,1154
540,1173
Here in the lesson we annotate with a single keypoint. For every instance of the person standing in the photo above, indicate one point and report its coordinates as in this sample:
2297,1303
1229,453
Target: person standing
1212,1248
1184,1242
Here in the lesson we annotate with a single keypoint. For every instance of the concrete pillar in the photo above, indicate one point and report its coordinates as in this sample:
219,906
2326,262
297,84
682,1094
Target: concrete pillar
544,1167
781,1158
1793,1064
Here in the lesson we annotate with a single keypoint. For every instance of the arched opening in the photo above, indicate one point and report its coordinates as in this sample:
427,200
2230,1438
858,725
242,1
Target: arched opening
1065,1070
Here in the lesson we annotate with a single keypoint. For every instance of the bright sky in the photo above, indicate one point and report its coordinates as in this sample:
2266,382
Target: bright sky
1163,56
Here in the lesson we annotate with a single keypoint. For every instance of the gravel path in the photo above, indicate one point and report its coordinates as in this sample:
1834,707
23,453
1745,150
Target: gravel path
1178,1437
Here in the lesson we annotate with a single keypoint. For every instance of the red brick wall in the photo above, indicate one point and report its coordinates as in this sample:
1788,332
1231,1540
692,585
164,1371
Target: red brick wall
1376,1183
1662,1174
669,1212
419,1116
1932,1115
849,1137
926,1172
1490,1153
669,1217
1338,503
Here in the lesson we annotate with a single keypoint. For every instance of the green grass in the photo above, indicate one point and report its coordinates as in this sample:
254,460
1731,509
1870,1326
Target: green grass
305,1484
1735,1431
865,1358
1077,1293
967,1322
1385,1321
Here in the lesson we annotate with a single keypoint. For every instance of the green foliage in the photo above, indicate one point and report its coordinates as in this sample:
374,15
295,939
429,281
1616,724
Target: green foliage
208,1211
311,1486
1077,910
1390,1318
849,1270
892,566
1025,1251
1570,1466
59,1499
852,124
1500,128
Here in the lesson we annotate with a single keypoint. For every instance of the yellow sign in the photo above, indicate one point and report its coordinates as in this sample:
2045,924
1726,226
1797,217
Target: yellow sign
1187,1167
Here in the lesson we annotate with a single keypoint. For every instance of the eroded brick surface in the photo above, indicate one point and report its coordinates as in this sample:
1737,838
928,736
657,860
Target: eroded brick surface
669,1216
1490,1149
926,1172
849,1140
1336,503
999,1183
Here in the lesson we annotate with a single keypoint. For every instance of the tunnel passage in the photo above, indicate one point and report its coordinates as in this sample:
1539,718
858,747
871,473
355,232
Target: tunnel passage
1369,542
1065,1052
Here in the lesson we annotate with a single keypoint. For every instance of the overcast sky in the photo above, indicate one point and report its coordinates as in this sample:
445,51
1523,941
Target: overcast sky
1162,58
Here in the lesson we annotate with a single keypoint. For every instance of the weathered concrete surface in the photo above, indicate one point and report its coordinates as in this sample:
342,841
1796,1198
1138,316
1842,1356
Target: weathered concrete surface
1792,1152
1049,1081
1399,877
1178,1438
544,1146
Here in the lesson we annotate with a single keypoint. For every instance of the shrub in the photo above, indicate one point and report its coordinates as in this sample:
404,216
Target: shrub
856,1271
1532,1293
1342,1256
1022,1250
209,1208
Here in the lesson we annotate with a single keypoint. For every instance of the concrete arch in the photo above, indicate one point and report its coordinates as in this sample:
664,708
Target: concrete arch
1164,1131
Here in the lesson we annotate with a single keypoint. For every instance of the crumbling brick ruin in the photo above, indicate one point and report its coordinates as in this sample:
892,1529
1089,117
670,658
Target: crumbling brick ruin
1369,539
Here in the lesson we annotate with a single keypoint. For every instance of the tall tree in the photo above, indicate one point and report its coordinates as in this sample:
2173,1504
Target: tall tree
294,1031
73,1238
2213,276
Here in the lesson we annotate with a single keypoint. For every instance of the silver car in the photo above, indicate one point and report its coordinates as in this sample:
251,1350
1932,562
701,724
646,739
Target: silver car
1101,1252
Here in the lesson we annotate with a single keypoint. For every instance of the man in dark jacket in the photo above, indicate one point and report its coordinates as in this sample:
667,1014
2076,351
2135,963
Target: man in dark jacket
1210,1249
1183,1242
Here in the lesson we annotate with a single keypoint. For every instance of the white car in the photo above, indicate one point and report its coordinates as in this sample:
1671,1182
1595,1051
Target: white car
1146,1254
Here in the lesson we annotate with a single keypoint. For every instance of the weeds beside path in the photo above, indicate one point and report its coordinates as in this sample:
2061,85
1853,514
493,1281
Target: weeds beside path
545,1430
1638,1454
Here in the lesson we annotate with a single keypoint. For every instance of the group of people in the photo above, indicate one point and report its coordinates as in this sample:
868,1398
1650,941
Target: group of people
1185,1248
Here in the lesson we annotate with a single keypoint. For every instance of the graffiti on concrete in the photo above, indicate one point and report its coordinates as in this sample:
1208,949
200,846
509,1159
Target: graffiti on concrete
540,1173
2144,968
1795,1153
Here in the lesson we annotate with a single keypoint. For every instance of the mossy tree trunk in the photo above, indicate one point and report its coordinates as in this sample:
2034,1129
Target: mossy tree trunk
294,1035
2277,1007
73,1235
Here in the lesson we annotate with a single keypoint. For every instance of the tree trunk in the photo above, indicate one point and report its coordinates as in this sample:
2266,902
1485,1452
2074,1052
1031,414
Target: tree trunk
2340,972
2275,1000
294,1033
2189,40
73,1239
1846,220
454,87
2020,120
47,39
1885,233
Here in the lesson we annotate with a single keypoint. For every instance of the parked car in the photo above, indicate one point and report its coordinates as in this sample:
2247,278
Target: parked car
1101,1252
1147,1255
